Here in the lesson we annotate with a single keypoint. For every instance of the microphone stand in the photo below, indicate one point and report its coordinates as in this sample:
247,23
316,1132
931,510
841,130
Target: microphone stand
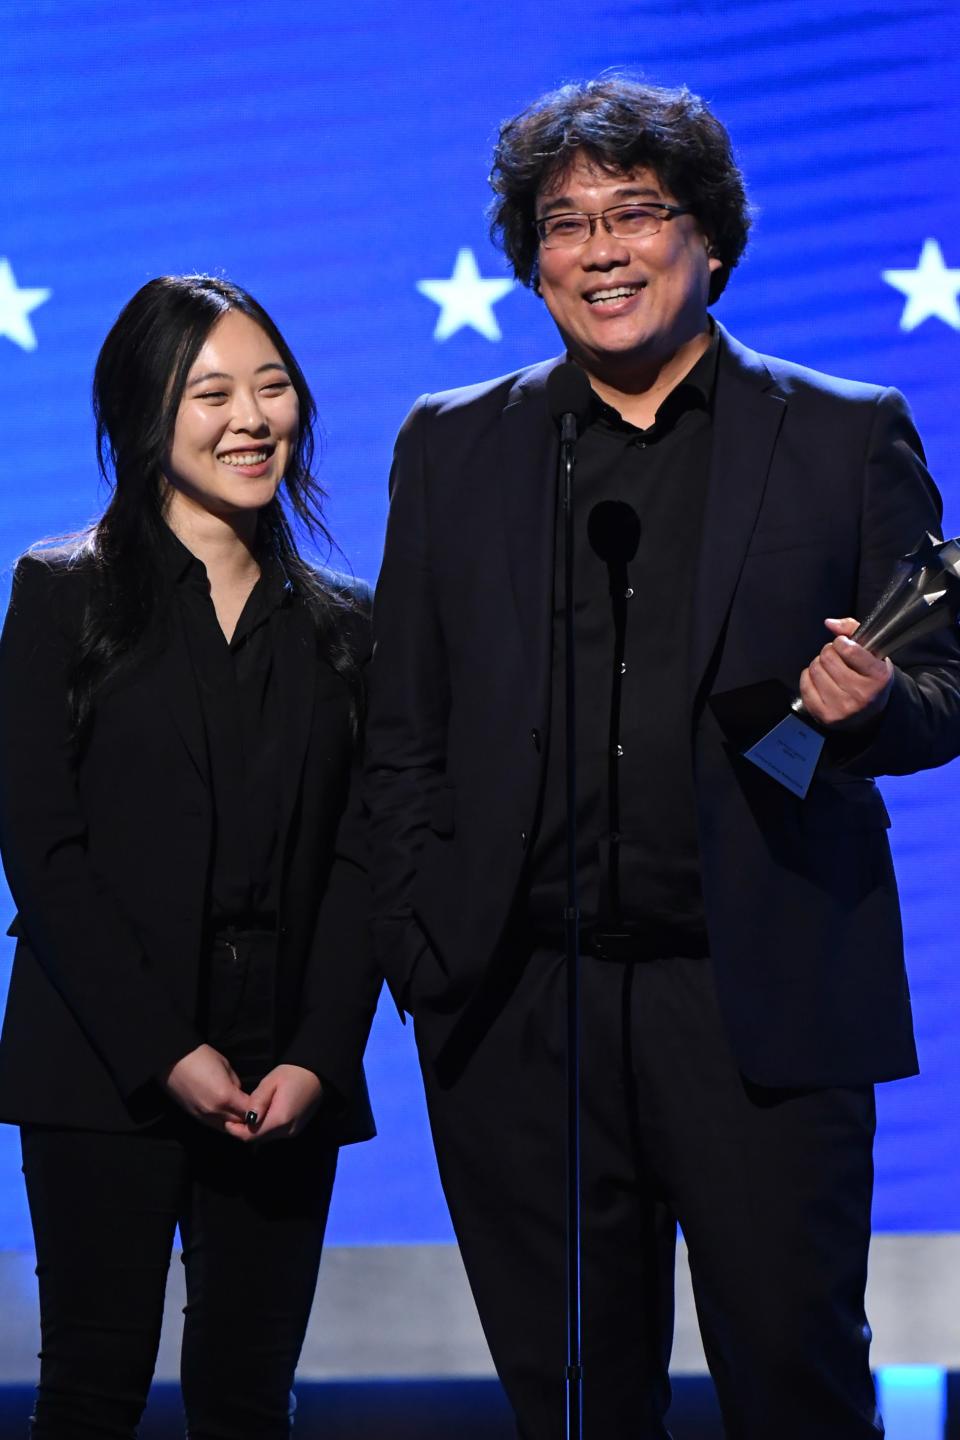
569,402
571,928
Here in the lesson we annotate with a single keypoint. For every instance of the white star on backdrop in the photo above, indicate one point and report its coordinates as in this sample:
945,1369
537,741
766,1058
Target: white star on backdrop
465,299
15,306
931,289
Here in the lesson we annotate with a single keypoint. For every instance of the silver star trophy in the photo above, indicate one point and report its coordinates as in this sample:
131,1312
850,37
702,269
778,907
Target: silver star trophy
923,595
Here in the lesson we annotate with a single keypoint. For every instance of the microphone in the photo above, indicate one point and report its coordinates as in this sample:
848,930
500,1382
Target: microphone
569,397
613,529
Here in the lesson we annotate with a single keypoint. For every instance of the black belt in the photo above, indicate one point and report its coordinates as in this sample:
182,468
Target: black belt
618,945
623,946
242,925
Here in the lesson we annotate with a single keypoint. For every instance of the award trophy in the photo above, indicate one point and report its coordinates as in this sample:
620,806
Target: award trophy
923,595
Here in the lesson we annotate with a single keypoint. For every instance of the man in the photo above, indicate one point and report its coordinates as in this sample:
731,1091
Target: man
742,980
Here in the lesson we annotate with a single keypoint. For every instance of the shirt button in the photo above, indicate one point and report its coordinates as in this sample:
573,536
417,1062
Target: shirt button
523,839
618,751
628,593
623,667
535,737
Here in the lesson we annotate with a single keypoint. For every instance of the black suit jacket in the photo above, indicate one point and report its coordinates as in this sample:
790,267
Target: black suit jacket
816,486
107,855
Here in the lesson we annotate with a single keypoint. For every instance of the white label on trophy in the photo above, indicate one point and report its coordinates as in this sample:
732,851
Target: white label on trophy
789,753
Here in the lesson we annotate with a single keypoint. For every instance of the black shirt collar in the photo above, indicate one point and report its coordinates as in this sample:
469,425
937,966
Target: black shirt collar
179,566
693,392
177,563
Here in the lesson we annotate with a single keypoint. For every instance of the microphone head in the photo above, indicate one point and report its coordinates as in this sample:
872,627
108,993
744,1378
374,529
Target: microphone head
569,393
613,529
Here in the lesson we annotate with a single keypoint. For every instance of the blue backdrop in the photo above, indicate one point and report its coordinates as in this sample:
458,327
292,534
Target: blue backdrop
331,157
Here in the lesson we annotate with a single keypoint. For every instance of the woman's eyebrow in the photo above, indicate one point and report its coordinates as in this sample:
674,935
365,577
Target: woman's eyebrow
222,374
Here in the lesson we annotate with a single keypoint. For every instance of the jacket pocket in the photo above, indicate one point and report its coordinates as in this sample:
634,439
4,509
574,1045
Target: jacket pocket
844,804
440,813
769,539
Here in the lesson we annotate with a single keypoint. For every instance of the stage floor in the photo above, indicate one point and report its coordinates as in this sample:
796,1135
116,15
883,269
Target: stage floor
414,1410
384,1410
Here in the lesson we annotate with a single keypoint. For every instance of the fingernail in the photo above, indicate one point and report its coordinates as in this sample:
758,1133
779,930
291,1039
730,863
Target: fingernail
250,1118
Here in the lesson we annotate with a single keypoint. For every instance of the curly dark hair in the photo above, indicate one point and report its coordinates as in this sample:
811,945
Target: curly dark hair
621,125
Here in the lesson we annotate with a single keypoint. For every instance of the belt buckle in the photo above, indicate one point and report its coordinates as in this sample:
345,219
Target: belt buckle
616,945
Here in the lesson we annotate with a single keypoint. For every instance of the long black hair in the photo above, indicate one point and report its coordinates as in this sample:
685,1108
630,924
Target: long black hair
138,384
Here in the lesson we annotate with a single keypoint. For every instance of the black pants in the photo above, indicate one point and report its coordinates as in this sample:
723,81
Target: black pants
771,1188
104,1210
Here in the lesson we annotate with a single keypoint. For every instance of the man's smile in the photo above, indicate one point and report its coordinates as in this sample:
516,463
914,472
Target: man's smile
612,293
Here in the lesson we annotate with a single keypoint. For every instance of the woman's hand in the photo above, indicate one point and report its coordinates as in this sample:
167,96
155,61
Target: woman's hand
207,1086
284,1101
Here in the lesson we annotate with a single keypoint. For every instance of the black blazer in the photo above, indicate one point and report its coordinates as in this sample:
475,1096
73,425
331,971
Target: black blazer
107,855
816,486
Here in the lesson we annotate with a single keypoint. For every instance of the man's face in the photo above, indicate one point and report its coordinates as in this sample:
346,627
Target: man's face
613,300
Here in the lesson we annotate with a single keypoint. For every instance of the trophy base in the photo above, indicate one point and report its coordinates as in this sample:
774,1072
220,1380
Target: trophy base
788,754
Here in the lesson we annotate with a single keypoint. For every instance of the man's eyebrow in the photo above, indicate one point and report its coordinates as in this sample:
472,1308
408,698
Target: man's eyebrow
625,192
222,374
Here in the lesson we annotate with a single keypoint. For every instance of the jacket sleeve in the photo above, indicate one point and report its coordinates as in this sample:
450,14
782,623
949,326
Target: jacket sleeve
409,706
342,980
74,926
920,726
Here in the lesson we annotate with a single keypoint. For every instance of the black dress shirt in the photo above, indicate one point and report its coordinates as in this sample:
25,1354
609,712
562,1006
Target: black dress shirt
639,501
241,715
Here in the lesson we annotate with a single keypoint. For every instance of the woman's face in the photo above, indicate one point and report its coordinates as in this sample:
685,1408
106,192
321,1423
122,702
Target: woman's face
237,423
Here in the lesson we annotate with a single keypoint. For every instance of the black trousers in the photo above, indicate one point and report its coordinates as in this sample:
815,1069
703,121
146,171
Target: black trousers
105,1208
771,1188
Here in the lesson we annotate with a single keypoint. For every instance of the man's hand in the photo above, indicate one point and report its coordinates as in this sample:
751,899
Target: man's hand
207,1086
284,1101
845,686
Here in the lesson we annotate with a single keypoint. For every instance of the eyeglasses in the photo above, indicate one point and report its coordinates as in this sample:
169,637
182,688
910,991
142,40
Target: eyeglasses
625,222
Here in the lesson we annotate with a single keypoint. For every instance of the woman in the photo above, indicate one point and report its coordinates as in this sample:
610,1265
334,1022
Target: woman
180,697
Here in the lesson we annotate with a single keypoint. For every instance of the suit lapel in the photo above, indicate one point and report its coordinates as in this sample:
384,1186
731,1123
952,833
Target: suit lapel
748,413
178,686
527,483
747,419
295,657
